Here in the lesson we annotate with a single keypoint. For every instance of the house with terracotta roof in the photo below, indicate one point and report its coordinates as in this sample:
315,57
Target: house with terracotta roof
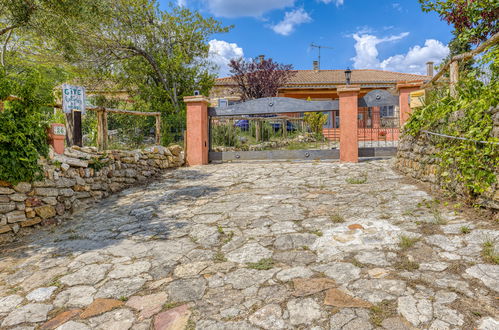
319,84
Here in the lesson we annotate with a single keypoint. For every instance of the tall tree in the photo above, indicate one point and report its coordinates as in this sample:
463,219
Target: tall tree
161,55
50,20
474,20
259,77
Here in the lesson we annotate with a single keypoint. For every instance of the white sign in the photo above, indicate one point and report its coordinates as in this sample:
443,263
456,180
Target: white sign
59,130
73,98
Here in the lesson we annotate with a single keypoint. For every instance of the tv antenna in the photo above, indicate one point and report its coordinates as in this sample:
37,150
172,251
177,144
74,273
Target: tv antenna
319,47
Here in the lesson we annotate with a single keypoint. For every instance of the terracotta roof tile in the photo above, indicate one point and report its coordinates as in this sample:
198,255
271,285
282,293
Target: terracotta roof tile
338,77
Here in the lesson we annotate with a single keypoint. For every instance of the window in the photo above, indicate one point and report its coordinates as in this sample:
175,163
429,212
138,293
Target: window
387,111
223,103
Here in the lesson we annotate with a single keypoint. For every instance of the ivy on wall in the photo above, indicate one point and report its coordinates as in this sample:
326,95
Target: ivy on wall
23,132
469,115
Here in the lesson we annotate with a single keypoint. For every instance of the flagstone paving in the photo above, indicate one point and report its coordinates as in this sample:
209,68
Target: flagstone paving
258,246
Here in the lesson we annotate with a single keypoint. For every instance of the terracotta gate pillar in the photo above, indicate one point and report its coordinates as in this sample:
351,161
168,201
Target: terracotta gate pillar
349,105
197,130
404,91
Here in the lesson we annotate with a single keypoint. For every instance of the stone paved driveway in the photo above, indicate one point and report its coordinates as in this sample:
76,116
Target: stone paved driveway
256,245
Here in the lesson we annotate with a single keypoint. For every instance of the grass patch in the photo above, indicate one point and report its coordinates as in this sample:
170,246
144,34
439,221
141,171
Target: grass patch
381,311
219,257
228,237
317,232
406,242
191,325
337,218
264,264
357,180
488,252
123,298
56,281
406,264
465,230
220,229
354,262
14,290
410,213
438,218
170,305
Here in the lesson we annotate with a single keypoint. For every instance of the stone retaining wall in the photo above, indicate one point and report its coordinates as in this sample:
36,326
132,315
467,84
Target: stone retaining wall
77,178
417,157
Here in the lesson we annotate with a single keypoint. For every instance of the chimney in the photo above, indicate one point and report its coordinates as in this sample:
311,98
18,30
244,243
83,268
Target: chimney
429,69
316,65
261,58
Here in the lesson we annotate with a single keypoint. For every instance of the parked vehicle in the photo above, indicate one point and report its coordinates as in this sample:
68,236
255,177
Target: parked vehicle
244,125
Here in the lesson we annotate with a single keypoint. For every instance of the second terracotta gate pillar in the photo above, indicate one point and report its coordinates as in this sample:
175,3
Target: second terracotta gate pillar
349,105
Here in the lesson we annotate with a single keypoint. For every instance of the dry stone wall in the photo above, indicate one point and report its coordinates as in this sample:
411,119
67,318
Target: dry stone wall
77,178
417,157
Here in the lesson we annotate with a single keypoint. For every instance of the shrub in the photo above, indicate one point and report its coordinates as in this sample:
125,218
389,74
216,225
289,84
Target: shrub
469,115
316,121
23,133
225,134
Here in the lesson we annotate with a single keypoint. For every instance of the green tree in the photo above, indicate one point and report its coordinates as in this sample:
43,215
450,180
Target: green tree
45,24
23,132
474,20
161,55
158,56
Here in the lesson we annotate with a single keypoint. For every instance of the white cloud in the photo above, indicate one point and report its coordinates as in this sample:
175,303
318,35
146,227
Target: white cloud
338,2
290,21
238,8
221,52
414,61
397,6
366,49
182,3
365,29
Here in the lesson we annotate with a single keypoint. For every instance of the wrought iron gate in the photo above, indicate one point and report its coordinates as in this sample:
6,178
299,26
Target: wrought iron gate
283,128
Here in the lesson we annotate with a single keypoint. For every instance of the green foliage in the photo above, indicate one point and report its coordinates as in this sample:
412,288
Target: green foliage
474,20
263,264
173,127
219,257
357,180
97,163
406,242
23,133
267,132
337,218
489,252
316,121
226,135
465,230
469,116
157,56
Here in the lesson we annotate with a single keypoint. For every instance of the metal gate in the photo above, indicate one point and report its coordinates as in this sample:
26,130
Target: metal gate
378,124
280,128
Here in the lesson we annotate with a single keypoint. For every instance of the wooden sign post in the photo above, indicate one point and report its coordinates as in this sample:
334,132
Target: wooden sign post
73,105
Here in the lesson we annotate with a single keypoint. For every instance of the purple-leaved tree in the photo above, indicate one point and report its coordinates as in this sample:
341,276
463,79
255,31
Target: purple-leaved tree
259,78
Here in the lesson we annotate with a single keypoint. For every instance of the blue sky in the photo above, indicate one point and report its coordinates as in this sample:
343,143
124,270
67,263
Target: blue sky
364,34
